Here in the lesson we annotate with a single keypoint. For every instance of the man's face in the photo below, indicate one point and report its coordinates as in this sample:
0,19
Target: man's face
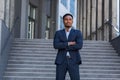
68,21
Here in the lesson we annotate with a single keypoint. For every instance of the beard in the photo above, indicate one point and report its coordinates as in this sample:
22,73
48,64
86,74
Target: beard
67,26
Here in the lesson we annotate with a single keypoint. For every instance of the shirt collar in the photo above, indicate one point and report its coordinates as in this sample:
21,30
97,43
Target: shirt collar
69,29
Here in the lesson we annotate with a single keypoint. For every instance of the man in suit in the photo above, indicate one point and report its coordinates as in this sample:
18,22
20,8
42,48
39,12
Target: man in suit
68,42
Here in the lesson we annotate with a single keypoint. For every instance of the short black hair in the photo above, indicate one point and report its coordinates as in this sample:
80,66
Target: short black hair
68,14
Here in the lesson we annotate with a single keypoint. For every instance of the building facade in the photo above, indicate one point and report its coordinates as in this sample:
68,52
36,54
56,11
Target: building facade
41,18
97,19
37,18
67,6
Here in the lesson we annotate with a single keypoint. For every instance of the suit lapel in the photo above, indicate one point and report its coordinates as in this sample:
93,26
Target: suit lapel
64,34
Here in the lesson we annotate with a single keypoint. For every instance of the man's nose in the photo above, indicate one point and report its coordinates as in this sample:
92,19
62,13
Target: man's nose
68,20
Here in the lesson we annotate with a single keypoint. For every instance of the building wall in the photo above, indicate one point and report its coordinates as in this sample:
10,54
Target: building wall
114,18
2,9
92,18
7,12
66,9
5,45
17,17
18,9
89,17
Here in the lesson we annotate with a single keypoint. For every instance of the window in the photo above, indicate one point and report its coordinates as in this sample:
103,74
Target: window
64,2
47,32
31,11
61,23
31,23
72,6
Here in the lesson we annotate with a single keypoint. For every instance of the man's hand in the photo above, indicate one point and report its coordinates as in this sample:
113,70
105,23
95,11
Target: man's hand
71,43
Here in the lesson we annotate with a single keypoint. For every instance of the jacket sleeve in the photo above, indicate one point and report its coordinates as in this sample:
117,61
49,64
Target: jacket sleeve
57,43
79,42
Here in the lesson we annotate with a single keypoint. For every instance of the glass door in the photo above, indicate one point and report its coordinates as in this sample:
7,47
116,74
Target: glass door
31,23
47,28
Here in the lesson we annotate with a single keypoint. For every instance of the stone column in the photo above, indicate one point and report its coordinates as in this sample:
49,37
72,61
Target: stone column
93,18
43,18
24,18
78,14
88,19
84,19
12,13
99,17
81,12
54,15
106,17
114,18
2,9
82,16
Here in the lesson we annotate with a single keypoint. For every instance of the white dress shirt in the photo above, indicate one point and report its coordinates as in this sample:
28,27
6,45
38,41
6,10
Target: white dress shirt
67,35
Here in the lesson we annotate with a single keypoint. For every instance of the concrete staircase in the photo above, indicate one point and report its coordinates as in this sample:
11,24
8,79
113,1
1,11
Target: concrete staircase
34,60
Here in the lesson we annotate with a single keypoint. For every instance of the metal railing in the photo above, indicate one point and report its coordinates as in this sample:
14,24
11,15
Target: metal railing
108,31
111,26
8,37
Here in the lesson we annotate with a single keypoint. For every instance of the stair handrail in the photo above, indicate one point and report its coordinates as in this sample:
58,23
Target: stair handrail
11,31
109,23
111,26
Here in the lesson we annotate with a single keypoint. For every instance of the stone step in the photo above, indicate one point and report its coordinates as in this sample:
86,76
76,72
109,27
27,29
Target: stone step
43,61
17,70
49,74
37,49
8,70
84,63
52,58
82,67
33,59
51,78
51,47
54,66
52,63
51,43
48,41
51,53
49,61
55,51
82,74
51,40
44,54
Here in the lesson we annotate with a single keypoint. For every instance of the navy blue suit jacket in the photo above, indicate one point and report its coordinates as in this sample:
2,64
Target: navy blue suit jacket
61,43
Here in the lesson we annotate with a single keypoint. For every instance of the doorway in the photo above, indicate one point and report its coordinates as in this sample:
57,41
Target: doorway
31,21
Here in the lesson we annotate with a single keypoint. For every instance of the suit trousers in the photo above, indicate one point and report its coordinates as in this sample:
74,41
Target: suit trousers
70,66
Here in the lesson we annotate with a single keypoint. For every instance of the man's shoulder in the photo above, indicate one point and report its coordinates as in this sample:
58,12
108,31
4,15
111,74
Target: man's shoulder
76,30
59,30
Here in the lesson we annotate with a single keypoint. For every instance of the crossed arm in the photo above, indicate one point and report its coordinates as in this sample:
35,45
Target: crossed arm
75,45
